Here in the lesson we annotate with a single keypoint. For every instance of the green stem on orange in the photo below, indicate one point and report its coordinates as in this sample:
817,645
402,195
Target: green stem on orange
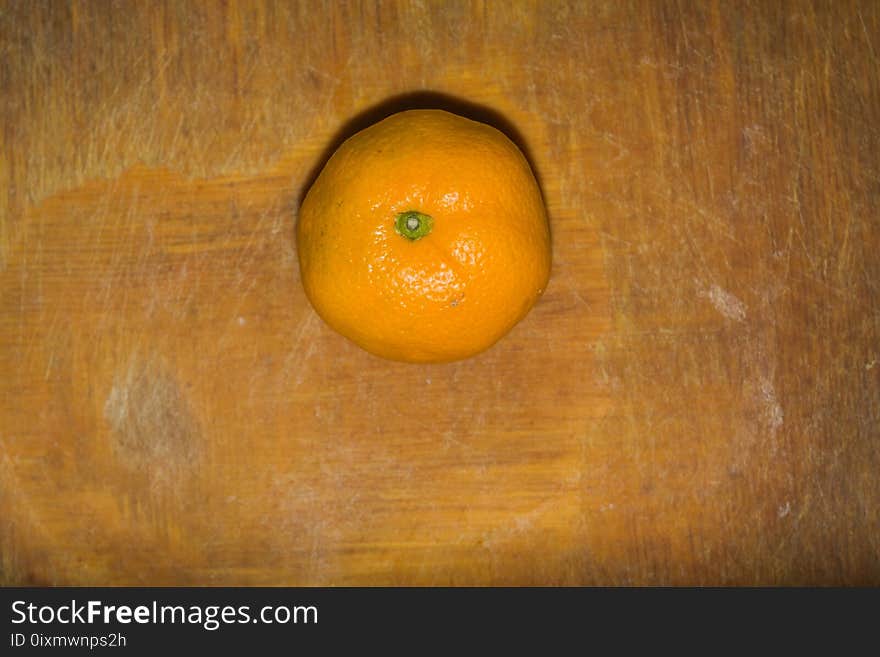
413,225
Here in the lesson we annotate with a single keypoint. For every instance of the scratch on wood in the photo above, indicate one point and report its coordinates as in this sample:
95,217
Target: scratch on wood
867,36
726,303
773,415
521,524
296,356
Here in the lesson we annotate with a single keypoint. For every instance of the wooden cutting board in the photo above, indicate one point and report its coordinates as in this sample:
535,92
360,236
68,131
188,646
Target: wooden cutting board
694,400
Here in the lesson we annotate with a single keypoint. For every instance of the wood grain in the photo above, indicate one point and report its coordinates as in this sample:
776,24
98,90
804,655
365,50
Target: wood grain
695,399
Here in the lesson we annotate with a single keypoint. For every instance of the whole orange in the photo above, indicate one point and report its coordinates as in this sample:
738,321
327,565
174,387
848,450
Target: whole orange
424,238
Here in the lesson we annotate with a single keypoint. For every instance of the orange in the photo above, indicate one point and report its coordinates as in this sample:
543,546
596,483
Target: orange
424,238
